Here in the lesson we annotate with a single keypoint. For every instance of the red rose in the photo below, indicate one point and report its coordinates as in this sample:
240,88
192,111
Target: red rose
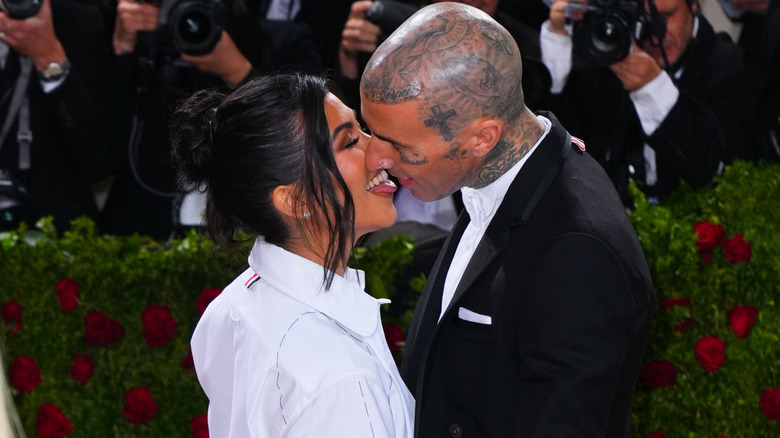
24,373
67,289
207,296
710,352
685,325
159,325
200,426
52,422
12,315
101,330
139,406
395,337
188,363
737,250
770,403
742,319
82,368
670,303
656,434
659,374
710,235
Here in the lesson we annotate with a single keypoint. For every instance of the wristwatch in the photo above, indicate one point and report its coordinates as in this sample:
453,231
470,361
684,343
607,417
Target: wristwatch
54,71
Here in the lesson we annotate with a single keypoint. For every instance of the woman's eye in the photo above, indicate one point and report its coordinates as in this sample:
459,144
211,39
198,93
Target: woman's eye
351,142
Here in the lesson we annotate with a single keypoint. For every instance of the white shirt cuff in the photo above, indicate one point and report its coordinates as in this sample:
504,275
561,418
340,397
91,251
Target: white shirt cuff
556,56
50,86
654,101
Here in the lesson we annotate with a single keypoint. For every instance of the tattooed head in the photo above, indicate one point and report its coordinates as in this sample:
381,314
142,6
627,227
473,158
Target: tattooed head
456,61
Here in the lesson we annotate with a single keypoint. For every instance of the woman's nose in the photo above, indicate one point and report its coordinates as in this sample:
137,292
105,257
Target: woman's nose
377,156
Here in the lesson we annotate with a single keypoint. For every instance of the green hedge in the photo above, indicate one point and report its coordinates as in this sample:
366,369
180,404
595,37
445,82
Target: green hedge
122,277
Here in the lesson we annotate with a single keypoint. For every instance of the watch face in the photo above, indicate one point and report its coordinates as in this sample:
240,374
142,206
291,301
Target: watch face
55,70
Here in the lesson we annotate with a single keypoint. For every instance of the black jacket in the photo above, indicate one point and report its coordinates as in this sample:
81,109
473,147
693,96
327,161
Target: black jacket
562,276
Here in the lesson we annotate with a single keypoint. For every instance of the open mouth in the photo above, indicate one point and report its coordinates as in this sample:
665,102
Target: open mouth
381,184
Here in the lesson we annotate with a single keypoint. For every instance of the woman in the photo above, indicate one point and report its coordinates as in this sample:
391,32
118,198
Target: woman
293,347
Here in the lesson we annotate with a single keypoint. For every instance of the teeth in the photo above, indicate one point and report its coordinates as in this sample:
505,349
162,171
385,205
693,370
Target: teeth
382,177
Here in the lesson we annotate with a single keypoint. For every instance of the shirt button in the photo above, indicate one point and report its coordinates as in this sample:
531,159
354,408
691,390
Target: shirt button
456,431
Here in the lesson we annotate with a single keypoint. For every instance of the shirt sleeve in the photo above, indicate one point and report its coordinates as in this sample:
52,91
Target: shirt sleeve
556,56
654,101
349,407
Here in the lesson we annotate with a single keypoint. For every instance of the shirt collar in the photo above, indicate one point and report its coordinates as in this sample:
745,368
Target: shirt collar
481,204
346,302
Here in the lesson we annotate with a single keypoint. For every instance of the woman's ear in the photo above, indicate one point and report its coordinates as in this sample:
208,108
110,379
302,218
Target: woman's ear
285,201
487,133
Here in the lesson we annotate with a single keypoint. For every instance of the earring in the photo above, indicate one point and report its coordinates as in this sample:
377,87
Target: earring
306,214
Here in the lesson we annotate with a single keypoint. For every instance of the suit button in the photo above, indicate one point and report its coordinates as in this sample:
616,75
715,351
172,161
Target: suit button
456,431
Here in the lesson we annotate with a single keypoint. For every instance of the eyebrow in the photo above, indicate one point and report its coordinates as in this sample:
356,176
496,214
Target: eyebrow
389,139
340,128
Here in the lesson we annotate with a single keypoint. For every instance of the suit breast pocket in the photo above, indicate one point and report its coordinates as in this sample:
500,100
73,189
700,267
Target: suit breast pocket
473,326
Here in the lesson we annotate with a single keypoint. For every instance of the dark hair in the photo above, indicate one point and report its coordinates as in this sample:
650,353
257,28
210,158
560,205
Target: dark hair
270,131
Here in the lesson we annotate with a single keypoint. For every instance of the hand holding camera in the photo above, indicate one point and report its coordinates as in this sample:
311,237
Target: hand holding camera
225,61
132,17
359,35
33,36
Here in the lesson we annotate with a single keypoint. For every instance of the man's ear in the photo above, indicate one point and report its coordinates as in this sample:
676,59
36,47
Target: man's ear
284,200
487,133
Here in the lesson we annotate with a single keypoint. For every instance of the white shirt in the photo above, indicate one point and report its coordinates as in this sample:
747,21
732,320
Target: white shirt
278,356
481,205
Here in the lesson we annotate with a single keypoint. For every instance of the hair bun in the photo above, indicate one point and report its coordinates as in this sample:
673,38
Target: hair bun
192,130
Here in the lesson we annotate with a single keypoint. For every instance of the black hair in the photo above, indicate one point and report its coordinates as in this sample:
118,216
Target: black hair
270,131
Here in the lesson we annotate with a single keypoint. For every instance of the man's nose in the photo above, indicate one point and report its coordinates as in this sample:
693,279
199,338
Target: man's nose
377,155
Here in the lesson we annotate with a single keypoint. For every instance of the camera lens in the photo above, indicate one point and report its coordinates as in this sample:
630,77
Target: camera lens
196,26
20,9
604,38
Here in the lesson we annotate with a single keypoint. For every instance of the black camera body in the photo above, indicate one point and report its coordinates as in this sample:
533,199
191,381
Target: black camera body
20,9
389,15
608,28
193,27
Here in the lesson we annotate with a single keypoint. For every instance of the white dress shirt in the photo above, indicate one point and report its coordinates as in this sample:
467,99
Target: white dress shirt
278,356
481,205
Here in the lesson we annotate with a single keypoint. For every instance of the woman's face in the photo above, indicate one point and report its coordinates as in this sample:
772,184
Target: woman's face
372,192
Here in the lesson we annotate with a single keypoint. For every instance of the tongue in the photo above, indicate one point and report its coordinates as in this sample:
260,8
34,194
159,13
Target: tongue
383,187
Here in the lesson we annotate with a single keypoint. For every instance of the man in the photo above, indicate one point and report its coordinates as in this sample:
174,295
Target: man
535,316
54,68
654,123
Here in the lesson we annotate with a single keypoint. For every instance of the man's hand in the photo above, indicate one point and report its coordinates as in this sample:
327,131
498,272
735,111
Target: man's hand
359,35
132,17
636,69
225,61
34,37
558,18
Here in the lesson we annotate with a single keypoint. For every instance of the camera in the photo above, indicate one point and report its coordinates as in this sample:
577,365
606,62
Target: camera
389,15
606,31
15,206
194,27
20,9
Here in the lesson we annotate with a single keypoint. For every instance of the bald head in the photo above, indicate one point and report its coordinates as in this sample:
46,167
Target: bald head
453,57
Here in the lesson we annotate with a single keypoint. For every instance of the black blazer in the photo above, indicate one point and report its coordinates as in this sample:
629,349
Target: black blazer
562,275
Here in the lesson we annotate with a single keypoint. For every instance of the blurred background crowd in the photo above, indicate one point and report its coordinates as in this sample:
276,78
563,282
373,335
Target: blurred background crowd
661,92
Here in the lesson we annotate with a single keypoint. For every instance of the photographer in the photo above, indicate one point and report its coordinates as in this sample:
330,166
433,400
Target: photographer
52,80
668,111
159,63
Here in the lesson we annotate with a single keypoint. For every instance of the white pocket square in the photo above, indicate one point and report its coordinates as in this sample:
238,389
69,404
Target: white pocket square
468,315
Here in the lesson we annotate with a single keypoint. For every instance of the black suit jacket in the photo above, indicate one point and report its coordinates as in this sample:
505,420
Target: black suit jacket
562,275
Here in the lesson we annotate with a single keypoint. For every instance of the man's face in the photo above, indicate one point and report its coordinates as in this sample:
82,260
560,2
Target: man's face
679,25
415,149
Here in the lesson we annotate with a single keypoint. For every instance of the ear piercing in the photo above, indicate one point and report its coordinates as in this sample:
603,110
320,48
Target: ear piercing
306,214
